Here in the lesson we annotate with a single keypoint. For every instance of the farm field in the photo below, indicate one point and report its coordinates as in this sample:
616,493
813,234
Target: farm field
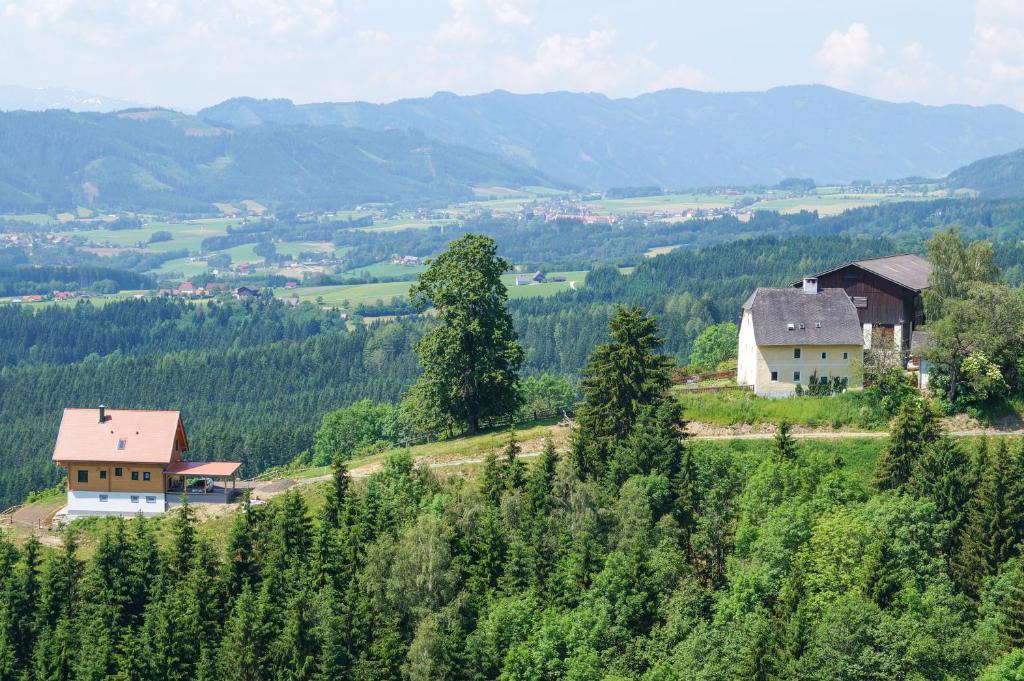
828,204
664,203
188,235
386,269
333,296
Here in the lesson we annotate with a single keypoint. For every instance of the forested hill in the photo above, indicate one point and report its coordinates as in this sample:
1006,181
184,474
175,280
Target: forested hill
995,177
681,138
163,160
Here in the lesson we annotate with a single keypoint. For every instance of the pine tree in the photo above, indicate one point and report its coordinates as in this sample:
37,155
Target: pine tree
338,511
943,474
653,446
183,540
911,432
240,564
620,379
295,650
241,651
995,519
785,447
686,488
514,472
492,482
540,481
1011,628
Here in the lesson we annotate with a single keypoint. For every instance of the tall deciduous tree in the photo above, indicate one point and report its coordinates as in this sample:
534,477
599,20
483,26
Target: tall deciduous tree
471,358
955,266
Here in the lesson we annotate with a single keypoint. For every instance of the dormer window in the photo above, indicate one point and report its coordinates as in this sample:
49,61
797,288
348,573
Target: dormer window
120,444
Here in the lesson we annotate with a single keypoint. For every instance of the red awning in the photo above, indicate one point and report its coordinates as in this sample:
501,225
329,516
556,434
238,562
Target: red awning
212,469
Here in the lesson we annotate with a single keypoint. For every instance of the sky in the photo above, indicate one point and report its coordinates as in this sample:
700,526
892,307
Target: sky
187,54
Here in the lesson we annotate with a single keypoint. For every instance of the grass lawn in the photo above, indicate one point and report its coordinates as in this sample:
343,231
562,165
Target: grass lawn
188,235
293,248
386,269
183,266
547,288
355,294
848,410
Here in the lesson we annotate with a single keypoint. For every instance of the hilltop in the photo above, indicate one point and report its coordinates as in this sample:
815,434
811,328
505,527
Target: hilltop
679,138
157,159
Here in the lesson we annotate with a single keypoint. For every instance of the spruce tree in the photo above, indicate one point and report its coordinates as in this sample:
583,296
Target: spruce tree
1011,628
183,541
240,657
785,450
914,429
492,482
621,378
540,481
995,519
514,472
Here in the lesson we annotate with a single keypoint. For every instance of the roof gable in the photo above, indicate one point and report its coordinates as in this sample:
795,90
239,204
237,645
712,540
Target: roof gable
129,435
788,316
908,270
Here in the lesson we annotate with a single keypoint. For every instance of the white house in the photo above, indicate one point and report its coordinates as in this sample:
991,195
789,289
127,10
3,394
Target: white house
791,336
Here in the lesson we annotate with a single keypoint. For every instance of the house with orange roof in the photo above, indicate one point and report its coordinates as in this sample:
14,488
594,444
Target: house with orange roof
128,461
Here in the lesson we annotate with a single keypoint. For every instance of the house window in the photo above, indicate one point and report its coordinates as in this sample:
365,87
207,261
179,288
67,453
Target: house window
824,355
846,355
103,498
150,499
121,444
796,376
83,475
145,476
118,471
796,353
135,475
823,380
135,498
775,377
845,381
860,301
103,475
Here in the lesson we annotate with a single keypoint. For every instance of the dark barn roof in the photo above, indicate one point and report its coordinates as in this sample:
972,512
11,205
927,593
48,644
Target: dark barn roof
908,270
824,318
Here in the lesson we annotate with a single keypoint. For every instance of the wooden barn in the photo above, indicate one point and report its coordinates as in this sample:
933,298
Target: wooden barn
887,295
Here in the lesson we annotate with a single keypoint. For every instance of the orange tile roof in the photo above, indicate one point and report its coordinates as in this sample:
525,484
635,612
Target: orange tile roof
148,436
201,468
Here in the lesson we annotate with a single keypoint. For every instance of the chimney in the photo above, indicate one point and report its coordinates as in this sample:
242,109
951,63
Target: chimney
810,285
103,413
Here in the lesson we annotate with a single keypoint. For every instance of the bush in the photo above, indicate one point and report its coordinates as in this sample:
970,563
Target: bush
160,235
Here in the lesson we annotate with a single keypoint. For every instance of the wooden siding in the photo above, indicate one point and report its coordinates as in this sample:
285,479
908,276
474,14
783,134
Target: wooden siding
888,304
113,483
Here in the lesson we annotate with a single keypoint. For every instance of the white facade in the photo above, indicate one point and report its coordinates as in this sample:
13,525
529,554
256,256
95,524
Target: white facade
81,503
746,360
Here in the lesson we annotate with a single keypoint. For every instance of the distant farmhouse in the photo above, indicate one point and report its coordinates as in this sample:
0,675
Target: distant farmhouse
818,328
128,461
530,279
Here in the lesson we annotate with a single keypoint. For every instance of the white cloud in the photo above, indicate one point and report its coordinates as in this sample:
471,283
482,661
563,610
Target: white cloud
995,66
482,21
844,56
592,61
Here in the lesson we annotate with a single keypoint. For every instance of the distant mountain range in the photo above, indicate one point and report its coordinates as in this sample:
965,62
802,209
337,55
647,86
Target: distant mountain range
157,159
679,138
18,98
994,177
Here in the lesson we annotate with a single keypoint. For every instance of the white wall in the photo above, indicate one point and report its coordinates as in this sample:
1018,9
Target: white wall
117,503
746,364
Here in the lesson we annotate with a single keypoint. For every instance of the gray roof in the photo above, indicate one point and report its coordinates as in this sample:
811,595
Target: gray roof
824,318
906,269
